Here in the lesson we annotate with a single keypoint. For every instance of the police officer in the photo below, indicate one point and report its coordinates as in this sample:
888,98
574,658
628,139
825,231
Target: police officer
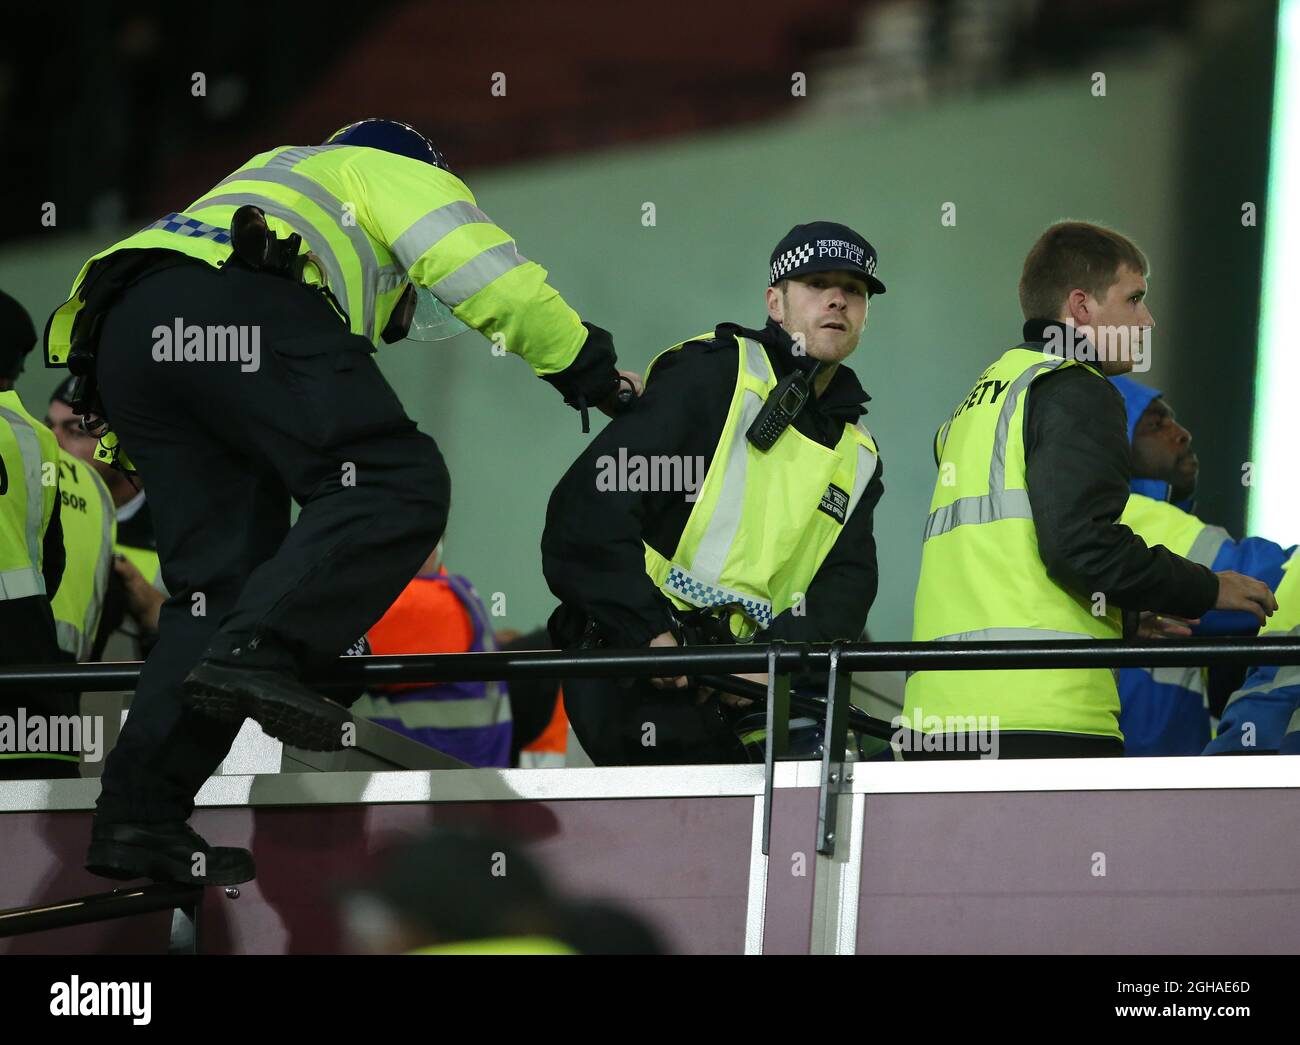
735,502
1023,540
1166,711
274,287
31,561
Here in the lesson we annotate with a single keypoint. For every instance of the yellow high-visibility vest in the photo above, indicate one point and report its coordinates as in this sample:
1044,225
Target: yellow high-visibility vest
89,522
982,578
762,522
29,486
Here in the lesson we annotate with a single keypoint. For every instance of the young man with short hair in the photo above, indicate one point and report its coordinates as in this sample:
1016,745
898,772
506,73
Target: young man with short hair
1023,541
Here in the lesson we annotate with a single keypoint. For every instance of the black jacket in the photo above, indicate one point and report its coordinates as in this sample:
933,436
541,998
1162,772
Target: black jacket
1078,465
592,553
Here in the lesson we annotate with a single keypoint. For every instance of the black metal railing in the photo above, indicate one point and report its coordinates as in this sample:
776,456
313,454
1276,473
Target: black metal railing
184,901
791,658
835,661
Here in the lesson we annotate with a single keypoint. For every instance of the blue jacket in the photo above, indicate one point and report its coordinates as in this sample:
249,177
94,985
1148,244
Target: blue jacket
1262,715
1163,712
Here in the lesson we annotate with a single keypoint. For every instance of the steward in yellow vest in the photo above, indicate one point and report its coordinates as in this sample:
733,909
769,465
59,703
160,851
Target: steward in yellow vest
89,534
229,346
1023,540
710,513
31,569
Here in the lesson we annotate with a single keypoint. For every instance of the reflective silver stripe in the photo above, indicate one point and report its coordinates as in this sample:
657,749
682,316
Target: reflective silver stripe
70,639
1012,635
103,569
1287,675
998,465
867,462
426,231
319,244
29,449
437,714
541,759
390,278
21,583
477,273
716,542
1021,635
1185,678
277,172
1207,544
757,364
999,502
1005,504
291,157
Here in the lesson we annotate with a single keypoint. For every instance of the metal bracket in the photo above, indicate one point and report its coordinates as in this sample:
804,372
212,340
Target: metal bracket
777,741
184,938
834,742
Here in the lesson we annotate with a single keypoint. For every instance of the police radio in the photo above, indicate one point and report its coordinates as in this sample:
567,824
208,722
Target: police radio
781,408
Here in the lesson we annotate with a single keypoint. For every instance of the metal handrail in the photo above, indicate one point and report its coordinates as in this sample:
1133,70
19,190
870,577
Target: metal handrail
779,660
182,900
790,657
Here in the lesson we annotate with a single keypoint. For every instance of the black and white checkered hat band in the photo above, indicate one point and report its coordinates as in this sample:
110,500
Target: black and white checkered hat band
791,260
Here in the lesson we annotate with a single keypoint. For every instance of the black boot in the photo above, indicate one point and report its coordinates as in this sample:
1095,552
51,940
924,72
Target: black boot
169,851
282,705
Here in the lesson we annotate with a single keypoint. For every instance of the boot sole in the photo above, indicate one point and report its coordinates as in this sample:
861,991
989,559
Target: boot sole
310,723
123,863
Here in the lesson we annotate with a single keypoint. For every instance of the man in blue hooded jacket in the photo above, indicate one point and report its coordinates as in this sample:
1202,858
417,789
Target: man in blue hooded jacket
1163,711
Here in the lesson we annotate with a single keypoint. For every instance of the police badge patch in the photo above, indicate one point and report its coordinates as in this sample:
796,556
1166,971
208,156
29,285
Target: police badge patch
835,503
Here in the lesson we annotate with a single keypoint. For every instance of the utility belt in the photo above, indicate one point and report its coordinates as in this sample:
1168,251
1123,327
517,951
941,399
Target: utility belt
711,627
698,627
255,248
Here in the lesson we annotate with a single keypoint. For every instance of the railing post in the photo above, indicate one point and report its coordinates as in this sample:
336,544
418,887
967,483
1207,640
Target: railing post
184,938
777,741
834,742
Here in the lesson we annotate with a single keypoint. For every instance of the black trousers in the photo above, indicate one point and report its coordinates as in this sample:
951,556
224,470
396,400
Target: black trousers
221,447
638,725
1022,745
27,636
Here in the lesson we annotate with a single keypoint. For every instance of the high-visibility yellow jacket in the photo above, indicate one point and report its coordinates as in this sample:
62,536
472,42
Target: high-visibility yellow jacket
374,221
29,486
89,522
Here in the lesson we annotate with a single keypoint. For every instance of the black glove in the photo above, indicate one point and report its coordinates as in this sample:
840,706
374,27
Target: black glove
592,377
